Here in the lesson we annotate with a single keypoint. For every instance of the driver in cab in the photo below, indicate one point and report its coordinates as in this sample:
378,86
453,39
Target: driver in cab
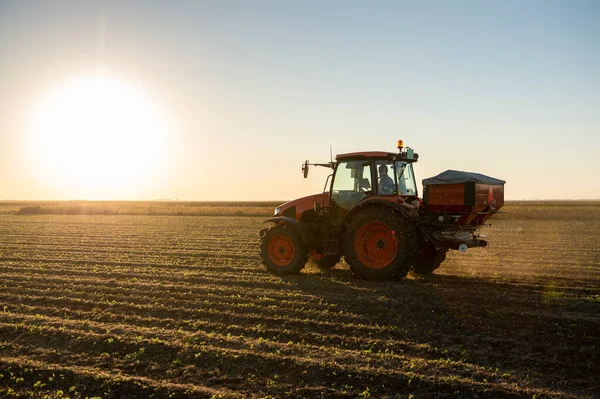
386,184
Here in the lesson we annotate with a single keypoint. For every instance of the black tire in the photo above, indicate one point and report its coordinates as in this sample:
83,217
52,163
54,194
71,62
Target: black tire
428,258
328,262
282,250
380,244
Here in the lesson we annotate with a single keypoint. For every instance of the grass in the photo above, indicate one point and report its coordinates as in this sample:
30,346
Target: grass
512,210
163,208
550,210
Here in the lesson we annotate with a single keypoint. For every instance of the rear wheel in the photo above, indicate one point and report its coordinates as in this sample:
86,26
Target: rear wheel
282,250
428,258
325,261
380,244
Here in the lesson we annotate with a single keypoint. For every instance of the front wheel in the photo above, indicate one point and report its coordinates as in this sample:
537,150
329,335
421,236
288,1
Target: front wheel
380,244
282,250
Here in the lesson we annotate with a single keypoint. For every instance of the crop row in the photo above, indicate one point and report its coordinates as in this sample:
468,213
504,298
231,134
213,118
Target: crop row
194,358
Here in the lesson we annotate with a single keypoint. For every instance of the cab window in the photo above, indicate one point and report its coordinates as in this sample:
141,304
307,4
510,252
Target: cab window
406,179
352,183
386,178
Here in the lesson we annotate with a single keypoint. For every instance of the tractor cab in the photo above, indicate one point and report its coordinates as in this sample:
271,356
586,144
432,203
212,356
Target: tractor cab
365,176
357,177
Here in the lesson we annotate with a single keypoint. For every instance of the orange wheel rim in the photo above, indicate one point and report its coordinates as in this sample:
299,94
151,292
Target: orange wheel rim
376,245
281,250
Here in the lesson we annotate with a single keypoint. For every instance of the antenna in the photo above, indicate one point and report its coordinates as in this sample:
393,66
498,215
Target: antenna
330,154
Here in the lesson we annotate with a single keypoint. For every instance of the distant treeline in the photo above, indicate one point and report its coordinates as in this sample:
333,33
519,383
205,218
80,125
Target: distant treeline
550,210
512,210
173,208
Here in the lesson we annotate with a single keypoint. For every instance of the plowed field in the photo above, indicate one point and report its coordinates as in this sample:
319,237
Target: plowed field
166,306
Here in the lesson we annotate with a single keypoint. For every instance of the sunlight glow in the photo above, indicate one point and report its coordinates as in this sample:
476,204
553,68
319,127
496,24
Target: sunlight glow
98,138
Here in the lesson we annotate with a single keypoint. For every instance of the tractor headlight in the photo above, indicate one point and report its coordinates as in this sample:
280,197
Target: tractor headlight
277,211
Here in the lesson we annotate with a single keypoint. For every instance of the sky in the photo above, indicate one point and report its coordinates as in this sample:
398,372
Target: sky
224,100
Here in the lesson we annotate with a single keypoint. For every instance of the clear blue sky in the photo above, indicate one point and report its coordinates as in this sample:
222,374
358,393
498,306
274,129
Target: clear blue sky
251,89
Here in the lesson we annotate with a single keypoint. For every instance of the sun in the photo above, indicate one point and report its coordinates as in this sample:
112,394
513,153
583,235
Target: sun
98,137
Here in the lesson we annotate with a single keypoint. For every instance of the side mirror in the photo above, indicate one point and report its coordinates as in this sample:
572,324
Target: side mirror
305,169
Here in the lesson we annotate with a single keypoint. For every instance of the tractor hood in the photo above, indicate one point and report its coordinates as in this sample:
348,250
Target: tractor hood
295,208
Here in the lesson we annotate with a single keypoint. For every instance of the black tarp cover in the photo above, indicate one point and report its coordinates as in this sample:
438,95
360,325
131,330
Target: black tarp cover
457,176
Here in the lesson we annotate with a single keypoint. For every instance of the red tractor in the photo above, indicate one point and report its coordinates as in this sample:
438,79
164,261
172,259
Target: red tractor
372,215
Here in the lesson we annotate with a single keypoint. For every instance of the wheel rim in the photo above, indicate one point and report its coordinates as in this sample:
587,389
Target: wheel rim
281,250
376,245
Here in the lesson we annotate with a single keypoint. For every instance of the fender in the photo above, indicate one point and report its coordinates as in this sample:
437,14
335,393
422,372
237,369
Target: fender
409,212
297,225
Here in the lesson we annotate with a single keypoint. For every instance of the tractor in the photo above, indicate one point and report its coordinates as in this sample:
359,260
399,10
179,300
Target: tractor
370,213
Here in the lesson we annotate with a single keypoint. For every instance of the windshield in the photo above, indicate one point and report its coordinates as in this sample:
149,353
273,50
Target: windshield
406,179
